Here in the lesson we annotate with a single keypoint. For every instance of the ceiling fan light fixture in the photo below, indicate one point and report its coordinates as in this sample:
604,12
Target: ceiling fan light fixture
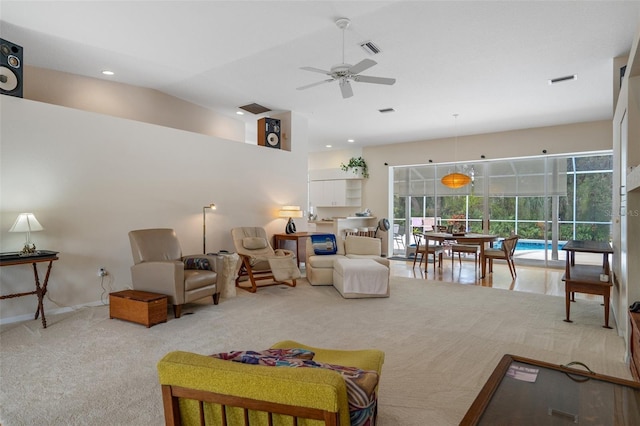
343,73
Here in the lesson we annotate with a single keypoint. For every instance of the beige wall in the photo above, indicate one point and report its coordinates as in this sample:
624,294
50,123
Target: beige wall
90,178
131,102
579,137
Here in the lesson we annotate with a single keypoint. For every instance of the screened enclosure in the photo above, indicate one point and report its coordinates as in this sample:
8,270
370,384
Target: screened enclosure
545,200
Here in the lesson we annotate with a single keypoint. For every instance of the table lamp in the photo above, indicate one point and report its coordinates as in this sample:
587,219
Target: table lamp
290,212
27,222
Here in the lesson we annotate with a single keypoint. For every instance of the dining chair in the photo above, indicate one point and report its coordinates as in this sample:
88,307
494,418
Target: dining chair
464,248
426,249
505,252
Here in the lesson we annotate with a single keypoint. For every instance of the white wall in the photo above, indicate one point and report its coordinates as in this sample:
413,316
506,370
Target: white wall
90,178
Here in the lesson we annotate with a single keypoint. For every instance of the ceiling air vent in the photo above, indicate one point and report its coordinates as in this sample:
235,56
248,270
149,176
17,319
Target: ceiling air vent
386,110
562,79
255,108
370,47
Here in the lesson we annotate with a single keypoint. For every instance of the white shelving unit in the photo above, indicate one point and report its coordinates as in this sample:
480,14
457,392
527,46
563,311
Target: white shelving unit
626,190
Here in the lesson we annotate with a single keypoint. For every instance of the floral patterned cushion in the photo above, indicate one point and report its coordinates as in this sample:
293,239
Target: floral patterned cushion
361,384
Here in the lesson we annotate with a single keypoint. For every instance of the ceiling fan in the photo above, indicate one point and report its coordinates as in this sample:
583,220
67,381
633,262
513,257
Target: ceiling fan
344,73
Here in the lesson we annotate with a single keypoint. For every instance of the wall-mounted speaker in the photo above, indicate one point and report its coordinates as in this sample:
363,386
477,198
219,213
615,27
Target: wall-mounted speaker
10,68
269,132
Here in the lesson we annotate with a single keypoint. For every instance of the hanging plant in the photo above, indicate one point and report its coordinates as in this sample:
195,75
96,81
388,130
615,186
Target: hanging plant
357,165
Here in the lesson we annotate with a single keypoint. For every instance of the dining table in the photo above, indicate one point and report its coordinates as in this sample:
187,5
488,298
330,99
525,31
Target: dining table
482,240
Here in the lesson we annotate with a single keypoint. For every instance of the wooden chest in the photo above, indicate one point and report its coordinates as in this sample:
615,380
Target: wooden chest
141,307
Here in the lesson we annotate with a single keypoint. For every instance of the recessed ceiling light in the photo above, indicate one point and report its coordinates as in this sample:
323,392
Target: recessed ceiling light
107,72
328,146
563,79
239,112
350,140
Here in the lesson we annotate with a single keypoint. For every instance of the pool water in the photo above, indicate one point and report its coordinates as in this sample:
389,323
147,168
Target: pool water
534,245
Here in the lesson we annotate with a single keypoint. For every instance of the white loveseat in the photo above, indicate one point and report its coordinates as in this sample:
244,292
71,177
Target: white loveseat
320,267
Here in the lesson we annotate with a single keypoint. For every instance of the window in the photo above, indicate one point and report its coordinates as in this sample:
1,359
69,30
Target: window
542,199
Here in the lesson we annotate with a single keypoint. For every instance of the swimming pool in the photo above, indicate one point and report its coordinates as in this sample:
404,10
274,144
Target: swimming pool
534,245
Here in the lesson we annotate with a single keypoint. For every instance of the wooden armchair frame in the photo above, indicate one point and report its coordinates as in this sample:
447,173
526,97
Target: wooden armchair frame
171,394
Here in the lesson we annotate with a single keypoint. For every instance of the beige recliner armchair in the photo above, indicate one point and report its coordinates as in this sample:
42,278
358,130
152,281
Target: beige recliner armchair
260,261
159,267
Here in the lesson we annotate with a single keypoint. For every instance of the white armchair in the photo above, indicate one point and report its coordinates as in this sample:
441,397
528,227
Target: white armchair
159,267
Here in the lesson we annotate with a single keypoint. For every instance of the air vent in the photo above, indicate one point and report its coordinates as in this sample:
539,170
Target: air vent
370,47
563,79
255,108
386,110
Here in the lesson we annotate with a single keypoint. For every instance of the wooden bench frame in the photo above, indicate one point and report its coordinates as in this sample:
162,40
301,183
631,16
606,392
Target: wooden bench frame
171,394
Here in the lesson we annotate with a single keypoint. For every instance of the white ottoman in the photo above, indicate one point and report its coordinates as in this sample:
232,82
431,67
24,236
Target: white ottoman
357,278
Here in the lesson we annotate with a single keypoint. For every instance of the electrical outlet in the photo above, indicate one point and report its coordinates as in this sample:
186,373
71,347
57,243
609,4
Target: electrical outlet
102,272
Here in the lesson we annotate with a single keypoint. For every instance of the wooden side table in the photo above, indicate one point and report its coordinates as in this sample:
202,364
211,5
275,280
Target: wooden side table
587,278
15,258
526,391
296,236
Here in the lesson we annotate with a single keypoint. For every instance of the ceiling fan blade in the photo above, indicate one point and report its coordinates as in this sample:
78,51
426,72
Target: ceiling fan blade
315,84
375,80
345,88
364,64
316,70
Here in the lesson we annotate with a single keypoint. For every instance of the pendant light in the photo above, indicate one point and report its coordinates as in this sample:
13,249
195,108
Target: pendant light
455,180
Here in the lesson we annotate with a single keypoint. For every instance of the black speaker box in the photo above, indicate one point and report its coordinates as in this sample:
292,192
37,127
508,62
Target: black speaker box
269,132
10,68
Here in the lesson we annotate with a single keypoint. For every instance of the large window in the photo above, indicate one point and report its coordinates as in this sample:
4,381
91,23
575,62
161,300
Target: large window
546,200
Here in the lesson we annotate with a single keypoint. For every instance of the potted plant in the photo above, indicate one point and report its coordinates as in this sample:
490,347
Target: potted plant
357,165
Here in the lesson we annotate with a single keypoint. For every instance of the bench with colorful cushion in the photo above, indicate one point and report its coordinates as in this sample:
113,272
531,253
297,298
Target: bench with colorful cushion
317,386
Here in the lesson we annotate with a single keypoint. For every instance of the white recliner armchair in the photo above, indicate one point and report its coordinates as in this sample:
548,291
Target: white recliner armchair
159,267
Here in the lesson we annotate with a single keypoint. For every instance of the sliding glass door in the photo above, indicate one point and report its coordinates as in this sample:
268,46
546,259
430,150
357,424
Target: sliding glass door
546,200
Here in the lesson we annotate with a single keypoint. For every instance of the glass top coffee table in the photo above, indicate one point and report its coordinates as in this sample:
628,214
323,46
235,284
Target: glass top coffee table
524,391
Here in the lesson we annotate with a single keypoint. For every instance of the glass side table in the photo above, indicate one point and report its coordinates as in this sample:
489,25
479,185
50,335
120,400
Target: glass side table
523,391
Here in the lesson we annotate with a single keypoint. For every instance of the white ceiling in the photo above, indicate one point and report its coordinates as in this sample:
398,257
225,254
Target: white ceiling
489,62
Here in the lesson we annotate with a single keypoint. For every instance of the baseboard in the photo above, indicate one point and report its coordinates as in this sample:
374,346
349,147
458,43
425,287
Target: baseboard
29,317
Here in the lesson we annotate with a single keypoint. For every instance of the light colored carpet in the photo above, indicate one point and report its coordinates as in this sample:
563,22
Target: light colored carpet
441,340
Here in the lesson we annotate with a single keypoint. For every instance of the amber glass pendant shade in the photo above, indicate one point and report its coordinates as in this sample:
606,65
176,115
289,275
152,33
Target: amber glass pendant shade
455,180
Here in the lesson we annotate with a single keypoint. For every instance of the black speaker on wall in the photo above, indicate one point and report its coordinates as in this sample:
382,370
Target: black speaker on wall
10,68
269,132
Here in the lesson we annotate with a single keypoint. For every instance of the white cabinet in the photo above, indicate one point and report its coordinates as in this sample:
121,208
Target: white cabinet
335,193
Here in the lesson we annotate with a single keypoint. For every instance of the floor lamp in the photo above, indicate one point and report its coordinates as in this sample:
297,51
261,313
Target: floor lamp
211,206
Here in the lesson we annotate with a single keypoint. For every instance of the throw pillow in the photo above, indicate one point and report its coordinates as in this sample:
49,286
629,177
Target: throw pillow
254,243
197,263
253,357
324,244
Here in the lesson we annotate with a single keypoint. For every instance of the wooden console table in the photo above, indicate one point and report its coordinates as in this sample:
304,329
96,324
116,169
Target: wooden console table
586,278
523,391
296,236
8,259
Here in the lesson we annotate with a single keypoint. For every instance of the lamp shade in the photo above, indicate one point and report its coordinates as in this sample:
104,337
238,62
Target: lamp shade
290,211
26,222
455,180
